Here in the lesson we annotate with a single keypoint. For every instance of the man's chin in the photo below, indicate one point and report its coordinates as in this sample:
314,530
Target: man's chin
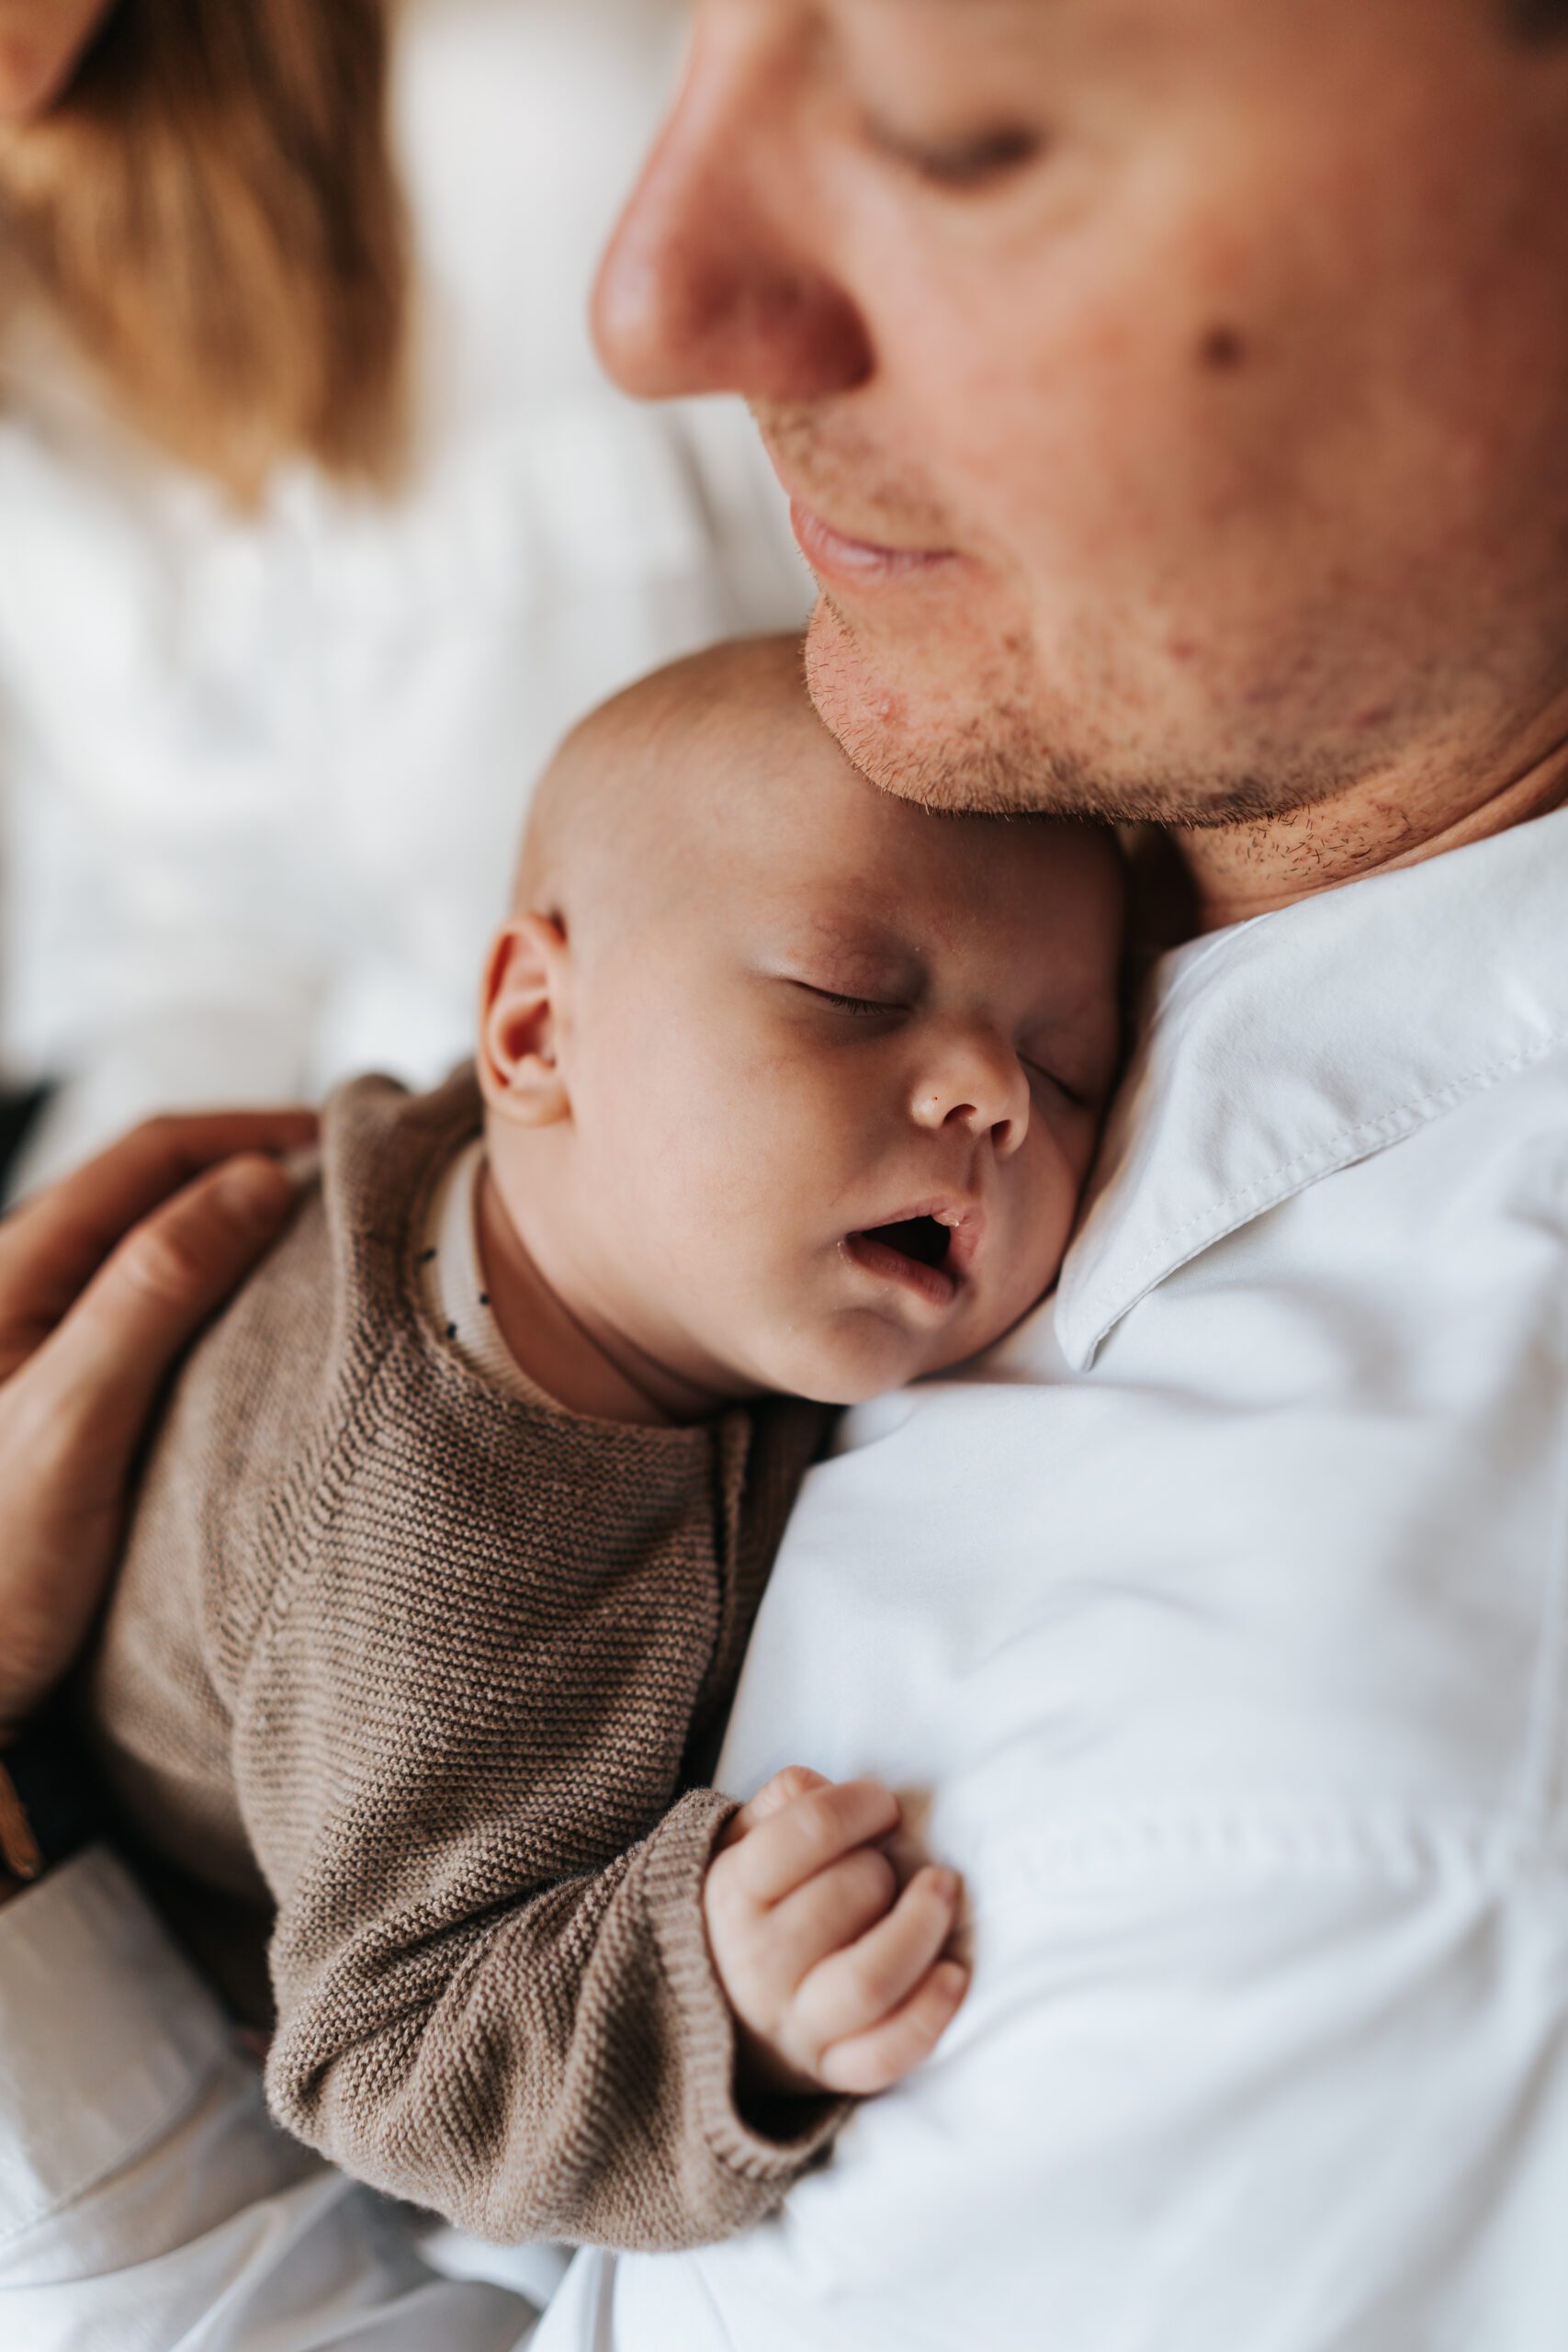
960,730
959,745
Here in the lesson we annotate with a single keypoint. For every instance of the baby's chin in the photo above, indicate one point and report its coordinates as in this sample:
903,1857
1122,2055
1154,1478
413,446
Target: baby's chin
862,1356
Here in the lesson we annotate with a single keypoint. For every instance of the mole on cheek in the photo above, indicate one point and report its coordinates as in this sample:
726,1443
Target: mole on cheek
1222,350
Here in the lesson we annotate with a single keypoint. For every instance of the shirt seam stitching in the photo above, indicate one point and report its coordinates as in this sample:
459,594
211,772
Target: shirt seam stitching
1315,1840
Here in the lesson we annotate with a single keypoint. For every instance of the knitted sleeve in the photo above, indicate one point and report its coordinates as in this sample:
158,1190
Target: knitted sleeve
494,1992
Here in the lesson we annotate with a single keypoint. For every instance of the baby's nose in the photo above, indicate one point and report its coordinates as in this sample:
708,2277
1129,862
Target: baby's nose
978,1084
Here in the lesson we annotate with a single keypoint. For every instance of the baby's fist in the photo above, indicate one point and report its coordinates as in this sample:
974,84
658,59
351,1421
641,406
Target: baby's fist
836,1979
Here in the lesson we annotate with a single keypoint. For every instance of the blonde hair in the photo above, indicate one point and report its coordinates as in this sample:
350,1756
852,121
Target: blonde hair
211,214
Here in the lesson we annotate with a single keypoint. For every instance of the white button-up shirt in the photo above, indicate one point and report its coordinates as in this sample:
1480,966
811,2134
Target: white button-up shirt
1216,1625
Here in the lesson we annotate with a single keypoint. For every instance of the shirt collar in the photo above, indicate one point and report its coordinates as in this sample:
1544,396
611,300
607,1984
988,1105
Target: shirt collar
1288,1046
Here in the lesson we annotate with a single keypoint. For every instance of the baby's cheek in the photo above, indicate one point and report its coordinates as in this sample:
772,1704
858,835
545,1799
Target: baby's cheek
1045,1214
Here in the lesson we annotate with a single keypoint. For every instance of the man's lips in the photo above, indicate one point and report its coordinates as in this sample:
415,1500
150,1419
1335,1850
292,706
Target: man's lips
861,562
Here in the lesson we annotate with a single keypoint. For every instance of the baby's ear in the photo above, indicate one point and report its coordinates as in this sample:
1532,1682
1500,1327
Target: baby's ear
520,1020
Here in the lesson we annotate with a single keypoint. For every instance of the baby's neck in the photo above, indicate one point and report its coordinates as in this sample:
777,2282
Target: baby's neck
563,1343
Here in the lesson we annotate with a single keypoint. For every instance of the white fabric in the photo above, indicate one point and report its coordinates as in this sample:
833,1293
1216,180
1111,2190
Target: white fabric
1216,1625
453,1282
262,780
146,2202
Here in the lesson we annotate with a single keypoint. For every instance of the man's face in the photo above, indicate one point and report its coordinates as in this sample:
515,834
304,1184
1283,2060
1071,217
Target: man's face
1174,394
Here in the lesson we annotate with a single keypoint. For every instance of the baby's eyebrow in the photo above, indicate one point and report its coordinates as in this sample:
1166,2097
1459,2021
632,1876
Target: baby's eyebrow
845,941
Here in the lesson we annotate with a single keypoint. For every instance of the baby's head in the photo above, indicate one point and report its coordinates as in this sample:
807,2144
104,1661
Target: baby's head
791,1084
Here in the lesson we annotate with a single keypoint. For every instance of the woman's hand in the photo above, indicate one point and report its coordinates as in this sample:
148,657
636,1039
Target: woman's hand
103,1282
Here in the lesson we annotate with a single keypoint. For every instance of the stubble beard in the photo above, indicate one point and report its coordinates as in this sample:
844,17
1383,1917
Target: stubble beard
991,751
986,730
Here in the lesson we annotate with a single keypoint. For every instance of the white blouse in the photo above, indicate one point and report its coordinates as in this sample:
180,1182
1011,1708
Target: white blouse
262,780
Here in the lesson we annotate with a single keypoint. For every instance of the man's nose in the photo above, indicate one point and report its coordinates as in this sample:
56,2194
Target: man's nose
709,283
976,1083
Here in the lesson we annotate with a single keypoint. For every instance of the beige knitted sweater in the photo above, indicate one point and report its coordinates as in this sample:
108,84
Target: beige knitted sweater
425,1663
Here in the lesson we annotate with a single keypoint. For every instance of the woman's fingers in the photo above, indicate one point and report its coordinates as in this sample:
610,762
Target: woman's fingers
72,1414
104,1281
100,1371
52,1246
875,2061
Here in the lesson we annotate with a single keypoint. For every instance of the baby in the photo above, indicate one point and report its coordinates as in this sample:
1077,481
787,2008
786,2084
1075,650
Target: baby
454,1528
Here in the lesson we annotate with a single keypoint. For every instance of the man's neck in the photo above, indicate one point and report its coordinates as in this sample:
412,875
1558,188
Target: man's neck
1231,872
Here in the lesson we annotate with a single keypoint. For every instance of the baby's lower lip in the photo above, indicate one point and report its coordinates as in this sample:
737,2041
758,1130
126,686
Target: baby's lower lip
933,1283
860,563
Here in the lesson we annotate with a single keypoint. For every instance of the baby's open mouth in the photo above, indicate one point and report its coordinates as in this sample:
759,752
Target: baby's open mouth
915,1252
920,1237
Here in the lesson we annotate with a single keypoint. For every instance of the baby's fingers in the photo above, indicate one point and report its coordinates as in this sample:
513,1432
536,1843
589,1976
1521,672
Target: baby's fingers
865,1982
807,1834
874,2062
794,1780
827,1915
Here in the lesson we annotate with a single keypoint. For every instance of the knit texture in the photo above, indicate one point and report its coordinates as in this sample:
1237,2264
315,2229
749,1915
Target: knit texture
424,1661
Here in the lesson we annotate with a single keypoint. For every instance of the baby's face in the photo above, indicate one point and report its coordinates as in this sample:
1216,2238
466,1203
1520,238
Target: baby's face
836,1090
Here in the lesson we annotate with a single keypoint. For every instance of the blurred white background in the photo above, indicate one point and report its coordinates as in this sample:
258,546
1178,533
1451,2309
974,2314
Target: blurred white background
262,777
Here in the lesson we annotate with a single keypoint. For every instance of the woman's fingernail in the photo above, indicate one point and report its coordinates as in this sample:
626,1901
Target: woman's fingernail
945,1885
255,1191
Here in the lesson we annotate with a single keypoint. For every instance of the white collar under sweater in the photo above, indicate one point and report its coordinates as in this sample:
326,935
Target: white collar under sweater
453,1279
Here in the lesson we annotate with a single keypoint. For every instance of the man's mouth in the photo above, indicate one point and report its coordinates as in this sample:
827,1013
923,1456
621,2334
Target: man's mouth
927,1254
854,562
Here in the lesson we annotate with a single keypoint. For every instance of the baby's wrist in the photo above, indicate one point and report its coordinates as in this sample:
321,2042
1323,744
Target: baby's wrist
761,2072
761,2069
